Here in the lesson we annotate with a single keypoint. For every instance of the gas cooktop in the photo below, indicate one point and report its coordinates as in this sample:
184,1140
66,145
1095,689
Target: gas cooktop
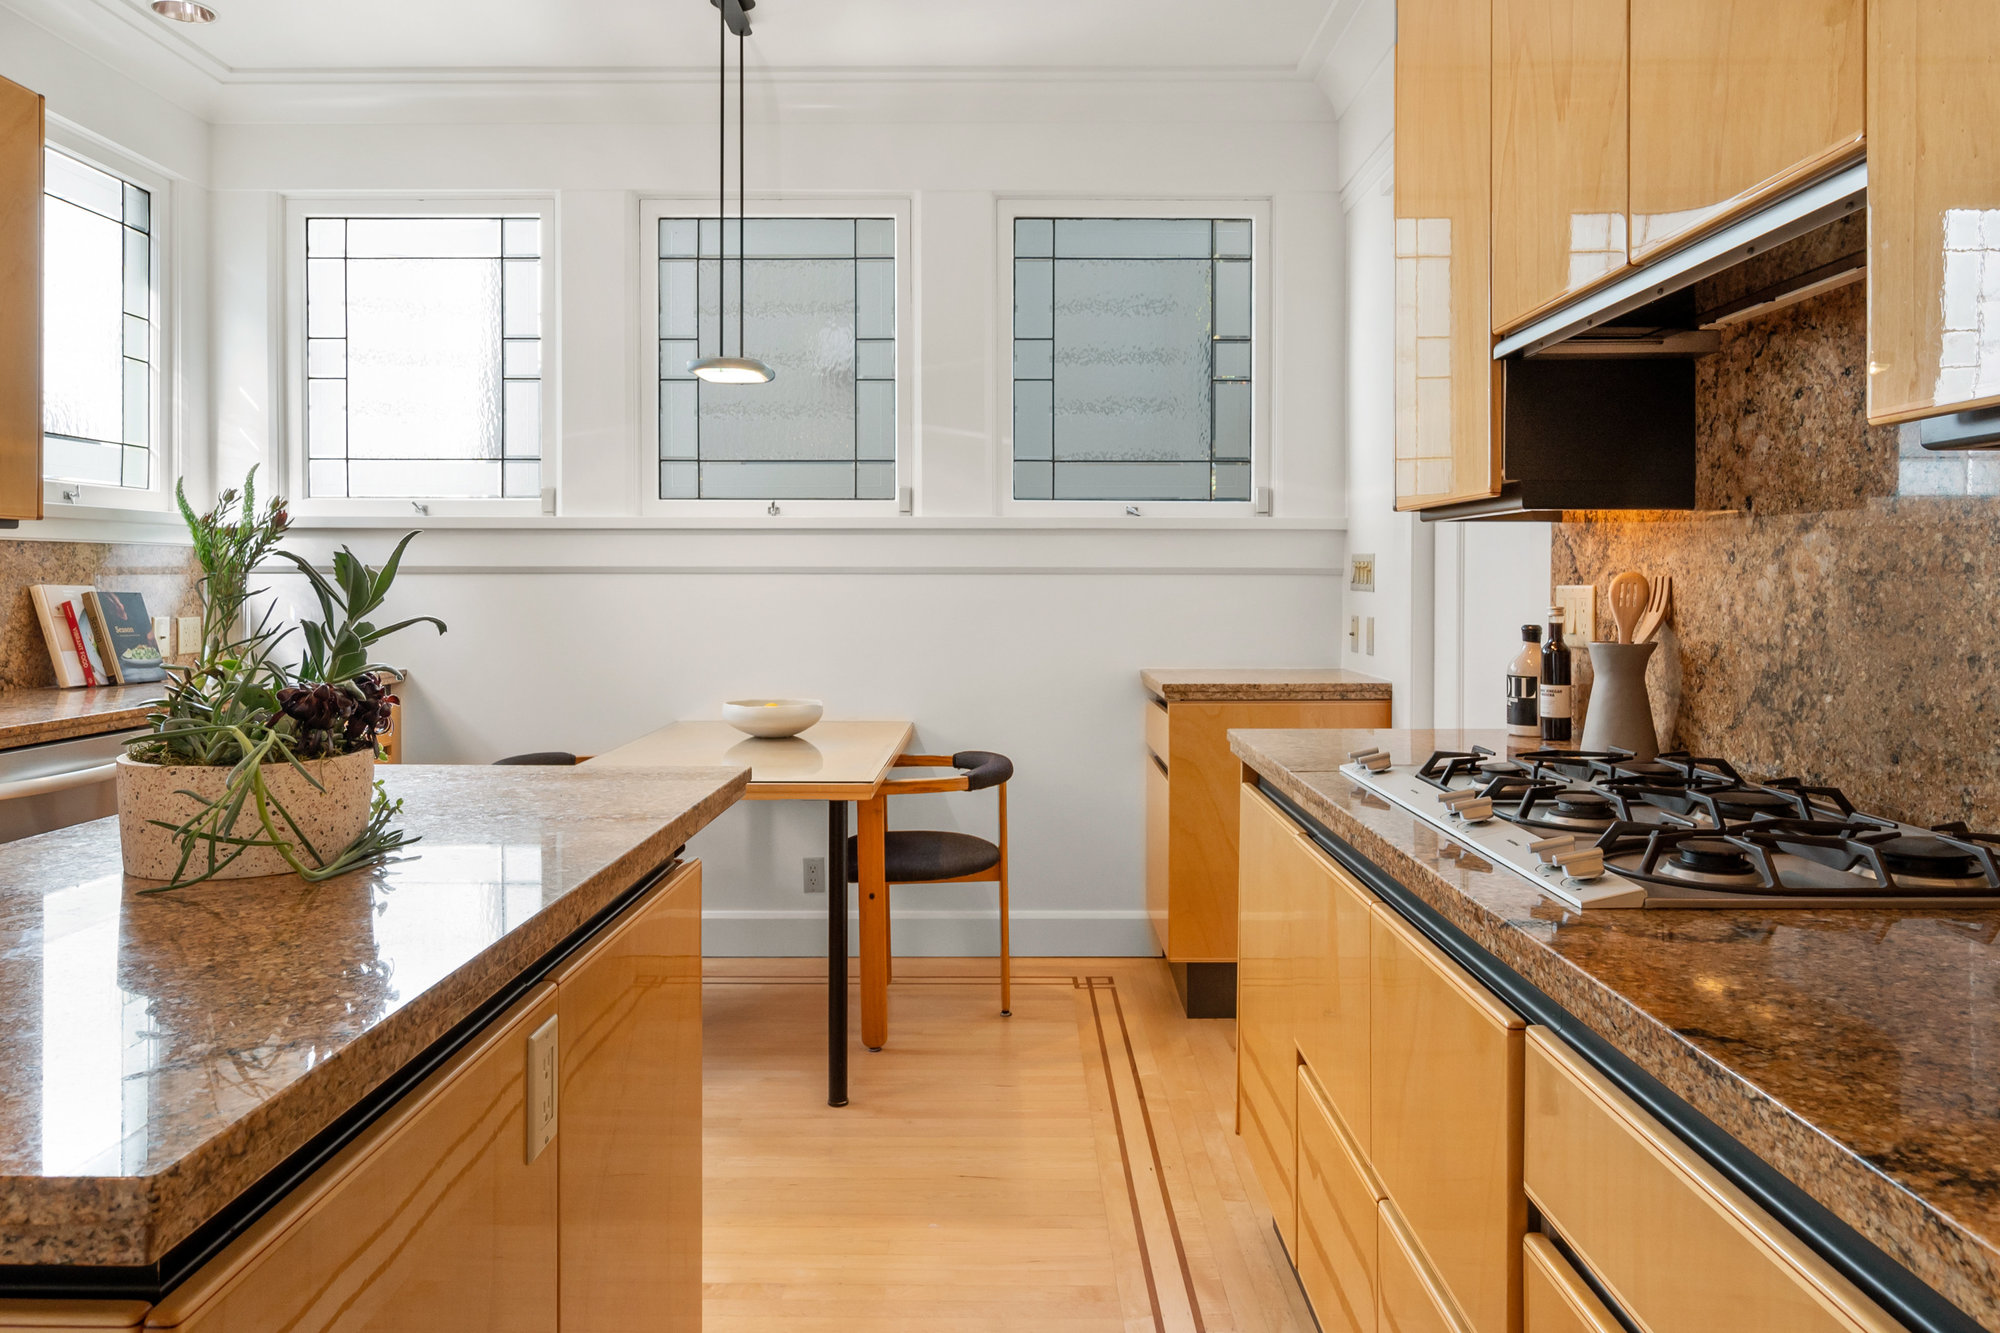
1601,829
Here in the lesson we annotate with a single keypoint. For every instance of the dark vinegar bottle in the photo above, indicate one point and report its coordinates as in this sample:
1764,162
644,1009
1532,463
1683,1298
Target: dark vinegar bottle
1554,704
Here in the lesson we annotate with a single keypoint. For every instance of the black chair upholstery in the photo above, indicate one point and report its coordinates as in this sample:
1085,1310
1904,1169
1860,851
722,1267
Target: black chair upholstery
543,758
915,855
983,768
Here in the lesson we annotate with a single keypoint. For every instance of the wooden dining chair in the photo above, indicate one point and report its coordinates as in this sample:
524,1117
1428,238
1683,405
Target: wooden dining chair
924,856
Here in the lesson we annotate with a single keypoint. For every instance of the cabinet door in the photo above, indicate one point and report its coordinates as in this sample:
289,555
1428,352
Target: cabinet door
1333,1025
21,157
1337,1227
1447,437
1554,1299
434,1221
631,1119
1408,1296
1735,101
1159,814
1558,151
1445,1083
1267,1003
1933,207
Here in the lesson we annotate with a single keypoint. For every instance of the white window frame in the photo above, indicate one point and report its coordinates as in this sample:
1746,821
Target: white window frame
652,208
163,433
299,207
1258,210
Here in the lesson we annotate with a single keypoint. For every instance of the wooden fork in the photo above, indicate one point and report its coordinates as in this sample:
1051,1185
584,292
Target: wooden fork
1657,609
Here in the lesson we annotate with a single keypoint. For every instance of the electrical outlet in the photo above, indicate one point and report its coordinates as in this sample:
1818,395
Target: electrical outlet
1371,636
815,874
1579,604
1361,576
187,636
542,1080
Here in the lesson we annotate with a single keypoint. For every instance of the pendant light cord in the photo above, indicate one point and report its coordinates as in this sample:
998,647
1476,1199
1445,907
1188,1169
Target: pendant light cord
721,169
742,191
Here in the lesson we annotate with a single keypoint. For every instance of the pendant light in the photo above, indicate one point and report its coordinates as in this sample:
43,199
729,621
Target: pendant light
741,368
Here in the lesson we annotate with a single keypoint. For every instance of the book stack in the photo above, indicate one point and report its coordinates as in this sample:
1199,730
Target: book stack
97,637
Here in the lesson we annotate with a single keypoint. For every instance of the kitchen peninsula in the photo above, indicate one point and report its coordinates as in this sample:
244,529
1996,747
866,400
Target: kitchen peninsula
294,1102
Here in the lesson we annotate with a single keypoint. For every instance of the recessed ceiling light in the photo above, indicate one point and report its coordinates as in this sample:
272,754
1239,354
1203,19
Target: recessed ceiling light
183,11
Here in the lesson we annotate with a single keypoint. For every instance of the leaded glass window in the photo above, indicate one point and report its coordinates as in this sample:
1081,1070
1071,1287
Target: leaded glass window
423,357
821,311
97,326
1132,358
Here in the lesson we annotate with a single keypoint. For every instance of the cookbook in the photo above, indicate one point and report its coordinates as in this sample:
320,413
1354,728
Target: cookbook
125,632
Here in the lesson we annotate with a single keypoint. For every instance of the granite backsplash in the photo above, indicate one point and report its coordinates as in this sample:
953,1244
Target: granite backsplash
1837,623
163,574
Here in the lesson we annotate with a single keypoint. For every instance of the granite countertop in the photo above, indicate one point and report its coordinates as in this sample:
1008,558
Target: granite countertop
163,1052
1253,683
1858,1052
30,717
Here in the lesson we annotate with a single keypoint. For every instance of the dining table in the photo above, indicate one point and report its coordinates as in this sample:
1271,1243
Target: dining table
838,762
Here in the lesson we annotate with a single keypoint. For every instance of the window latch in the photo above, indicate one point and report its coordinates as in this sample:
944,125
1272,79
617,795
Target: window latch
72,494
1132,511
420,508
773,509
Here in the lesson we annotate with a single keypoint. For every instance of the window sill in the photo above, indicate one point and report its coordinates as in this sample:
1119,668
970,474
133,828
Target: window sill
101,523
789,523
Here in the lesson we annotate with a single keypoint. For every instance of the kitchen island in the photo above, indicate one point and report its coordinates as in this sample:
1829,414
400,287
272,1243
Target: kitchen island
195,1077
1837,1067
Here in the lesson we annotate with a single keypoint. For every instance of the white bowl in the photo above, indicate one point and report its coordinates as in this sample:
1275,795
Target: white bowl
771,717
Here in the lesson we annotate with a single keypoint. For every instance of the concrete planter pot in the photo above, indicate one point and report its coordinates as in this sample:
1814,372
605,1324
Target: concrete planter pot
329,819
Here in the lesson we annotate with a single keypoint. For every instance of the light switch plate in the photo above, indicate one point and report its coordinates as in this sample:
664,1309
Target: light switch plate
163,635
1354,634
1579,604
1361,576
1371,636
543,1069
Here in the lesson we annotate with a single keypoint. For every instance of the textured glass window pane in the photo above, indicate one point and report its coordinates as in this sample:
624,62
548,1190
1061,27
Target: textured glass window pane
710,228
875,238
83,185
423,367
423,238
83,460
326,237
876,359
875,298
521,479
1034,299
326,477
83,326
1232,481
1033,481
1232,238
326,298
138,402
875,481
875,419
326,358
677,299
524,298
138,208
523,434
1033,358
137,461
138,338
442,478
521,238
522,357
674,358
1232,420
710,307
680,481
797,238
1132,371
1132,481
679,437
138,273
1232,299
679,237
777,481
1033,419
1132,238
1232,361
800,320
326,418
1034,237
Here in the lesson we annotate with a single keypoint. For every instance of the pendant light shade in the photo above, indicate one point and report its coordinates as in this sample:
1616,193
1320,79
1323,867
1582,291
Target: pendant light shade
741,368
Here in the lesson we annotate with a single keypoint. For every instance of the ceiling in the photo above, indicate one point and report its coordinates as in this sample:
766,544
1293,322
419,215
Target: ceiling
253,36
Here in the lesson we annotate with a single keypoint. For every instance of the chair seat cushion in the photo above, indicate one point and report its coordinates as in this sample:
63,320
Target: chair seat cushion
915,855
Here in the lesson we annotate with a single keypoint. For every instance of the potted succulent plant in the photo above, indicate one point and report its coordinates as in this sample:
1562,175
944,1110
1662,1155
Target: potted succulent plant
254,766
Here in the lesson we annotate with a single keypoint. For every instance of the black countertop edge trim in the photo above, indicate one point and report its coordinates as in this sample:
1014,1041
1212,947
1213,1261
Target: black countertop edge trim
152,1282
1897,1290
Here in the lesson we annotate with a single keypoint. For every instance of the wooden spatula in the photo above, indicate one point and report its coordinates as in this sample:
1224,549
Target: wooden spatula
1629,594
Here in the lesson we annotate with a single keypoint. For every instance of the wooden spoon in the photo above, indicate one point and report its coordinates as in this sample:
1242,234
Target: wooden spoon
1629,594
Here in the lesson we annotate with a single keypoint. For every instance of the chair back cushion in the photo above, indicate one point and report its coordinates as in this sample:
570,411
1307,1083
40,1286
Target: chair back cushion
983,768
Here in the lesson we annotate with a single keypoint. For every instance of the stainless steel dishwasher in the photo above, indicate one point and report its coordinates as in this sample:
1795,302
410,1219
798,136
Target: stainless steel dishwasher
52,786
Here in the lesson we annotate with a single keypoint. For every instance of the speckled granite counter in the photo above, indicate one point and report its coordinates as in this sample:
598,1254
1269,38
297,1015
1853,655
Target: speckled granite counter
32,716
1254,683
162,1053
1856,1052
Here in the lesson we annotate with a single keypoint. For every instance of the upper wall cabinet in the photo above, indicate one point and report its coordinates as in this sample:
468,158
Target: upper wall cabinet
1446,447
21,124
1933,207
1734,101
1559,101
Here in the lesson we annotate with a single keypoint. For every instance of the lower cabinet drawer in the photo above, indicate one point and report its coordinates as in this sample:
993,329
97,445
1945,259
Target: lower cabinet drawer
1554,1299
1408,1296
1677,1246
1337,1223
1266,1127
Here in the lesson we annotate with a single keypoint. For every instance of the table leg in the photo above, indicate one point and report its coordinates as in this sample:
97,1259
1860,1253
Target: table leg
873,892
836,953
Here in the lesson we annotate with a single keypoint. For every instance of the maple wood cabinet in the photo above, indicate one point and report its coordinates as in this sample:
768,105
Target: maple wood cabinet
21,128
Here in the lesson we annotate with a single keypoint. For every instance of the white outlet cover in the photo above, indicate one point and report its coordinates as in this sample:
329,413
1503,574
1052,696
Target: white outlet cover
1579,604
544,1069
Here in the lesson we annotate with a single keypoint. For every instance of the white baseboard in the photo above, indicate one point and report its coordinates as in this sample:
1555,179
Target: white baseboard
801,933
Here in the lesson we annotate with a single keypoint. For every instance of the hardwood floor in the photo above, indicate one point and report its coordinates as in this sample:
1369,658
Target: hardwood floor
1073,1167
